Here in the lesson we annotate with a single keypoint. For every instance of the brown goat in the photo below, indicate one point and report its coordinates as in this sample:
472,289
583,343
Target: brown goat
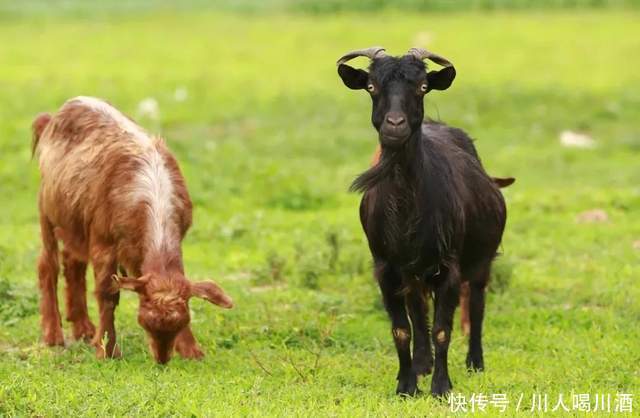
114,196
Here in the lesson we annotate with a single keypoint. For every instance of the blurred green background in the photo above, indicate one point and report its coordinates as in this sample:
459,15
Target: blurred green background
79,7
247,96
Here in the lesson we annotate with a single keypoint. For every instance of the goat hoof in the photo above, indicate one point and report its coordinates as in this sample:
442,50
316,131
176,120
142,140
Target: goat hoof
408,385
83,330
475,363
193,352
54,337
441,388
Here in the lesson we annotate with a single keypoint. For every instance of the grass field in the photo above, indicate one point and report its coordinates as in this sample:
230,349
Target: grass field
269,140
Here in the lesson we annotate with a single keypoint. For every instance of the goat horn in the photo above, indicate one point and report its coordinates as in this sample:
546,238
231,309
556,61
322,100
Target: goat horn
371,53
422,54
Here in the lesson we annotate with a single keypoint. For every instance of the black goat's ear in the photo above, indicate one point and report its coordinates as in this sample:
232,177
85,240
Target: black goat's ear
355,79
442,79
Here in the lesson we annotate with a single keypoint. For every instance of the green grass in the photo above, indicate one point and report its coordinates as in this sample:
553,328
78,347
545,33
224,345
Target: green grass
269,140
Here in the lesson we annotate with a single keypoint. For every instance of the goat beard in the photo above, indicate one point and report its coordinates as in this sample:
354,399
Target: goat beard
375,174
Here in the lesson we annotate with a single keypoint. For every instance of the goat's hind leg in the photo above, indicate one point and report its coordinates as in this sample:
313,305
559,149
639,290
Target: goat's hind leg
48,269
76,297
390,283
478,279
465,322
446,300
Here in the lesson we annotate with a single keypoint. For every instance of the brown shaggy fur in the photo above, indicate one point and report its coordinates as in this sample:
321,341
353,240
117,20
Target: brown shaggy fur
114,196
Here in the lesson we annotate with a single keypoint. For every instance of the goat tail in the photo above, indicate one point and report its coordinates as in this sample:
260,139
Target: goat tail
503,182
38,126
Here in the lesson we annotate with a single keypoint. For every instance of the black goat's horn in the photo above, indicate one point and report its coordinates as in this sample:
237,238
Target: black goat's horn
371,53
422,54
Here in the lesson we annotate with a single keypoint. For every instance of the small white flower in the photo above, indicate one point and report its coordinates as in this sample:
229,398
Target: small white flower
181,94
149,108
572,139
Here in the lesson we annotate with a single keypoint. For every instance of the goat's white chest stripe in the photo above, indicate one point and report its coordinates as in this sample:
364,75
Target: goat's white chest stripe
153,186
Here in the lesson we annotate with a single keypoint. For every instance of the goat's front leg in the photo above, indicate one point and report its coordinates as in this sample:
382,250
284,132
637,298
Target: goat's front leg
104,266
446,299
417,303
76,297
186,344
390,283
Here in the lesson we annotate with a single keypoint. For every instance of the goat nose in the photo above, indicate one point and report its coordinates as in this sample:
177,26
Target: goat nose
395,120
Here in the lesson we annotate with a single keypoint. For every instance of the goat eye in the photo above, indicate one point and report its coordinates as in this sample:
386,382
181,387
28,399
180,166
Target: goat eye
371,88
423,87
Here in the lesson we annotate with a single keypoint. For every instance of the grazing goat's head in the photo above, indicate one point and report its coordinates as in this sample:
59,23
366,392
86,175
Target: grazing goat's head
164,306
397,86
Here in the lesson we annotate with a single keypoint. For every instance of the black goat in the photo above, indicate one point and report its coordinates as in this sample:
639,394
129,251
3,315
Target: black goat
432,215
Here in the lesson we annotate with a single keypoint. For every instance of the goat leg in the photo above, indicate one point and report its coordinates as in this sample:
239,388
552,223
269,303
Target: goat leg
446,299
391,287
418,312
105,267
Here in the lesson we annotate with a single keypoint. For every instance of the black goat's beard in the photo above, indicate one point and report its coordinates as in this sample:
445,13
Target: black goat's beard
375,174
389,159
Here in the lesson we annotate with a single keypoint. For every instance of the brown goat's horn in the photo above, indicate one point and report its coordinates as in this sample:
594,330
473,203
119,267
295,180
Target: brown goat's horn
371,53
422,54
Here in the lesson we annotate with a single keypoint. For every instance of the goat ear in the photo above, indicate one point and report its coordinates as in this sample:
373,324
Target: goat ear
502,182
130,283
355,79
212,293
440,80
